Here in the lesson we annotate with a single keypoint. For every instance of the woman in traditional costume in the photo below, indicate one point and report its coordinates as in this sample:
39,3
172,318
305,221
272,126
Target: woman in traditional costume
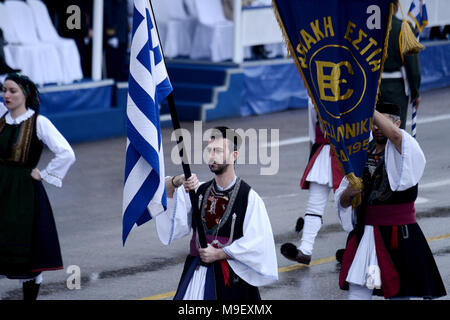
28,238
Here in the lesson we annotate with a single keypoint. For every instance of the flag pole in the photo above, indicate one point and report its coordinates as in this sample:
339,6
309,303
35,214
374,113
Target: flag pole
414,120
186,168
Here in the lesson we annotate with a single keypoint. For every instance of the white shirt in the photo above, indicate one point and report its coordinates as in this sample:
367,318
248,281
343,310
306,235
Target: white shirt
57,168
404,171
253,255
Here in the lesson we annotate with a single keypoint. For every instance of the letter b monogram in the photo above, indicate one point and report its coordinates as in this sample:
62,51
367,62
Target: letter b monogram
332,80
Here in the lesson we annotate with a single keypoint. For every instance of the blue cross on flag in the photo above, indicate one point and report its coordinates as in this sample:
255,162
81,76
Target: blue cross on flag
144,193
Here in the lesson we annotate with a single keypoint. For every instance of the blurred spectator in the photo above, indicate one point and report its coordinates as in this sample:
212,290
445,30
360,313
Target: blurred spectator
258,51
440,32
446,32
116,39
4,68
228,7
82,36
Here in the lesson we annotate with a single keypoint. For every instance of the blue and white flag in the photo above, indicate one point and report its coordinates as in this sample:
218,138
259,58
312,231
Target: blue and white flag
144,193
418,12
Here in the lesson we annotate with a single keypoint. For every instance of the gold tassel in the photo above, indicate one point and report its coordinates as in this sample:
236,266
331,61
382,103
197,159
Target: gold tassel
408,41
357,185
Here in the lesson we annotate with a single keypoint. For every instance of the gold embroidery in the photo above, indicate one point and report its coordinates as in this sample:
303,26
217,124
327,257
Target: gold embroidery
22,146
2,123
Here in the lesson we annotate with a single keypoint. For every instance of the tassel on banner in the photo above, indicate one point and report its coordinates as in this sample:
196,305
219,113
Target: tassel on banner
357,185
408,41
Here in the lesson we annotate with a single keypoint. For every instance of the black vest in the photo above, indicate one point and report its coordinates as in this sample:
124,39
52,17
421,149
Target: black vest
239,208
377,190
20,145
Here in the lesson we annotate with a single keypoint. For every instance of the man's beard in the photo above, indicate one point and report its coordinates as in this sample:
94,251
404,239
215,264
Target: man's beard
381,140
219,168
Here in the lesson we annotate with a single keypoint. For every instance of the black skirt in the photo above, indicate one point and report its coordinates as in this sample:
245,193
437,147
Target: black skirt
414,262
236,289
45,249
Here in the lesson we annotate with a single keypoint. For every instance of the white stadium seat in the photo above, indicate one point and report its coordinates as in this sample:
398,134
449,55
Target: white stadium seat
175,27
28,58
67,48
213,37
44,68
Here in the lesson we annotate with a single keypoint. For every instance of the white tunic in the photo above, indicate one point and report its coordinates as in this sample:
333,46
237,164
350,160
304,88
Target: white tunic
320,172
46,132
253,256
404,171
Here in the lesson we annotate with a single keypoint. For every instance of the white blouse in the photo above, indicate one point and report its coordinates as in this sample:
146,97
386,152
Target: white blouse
404,171
47,133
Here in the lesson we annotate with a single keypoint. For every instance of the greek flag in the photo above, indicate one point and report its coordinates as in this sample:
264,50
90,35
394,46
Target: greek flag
144,193
418,12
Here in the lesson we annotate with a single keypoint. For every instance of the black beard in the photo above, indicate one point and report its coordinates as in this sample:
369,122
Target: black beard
220,169
381,140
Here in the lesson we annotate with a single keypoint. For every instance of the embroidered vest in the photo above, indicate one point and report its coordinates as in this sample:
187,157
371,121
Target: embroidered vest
19,144
377,190
222,219
378,194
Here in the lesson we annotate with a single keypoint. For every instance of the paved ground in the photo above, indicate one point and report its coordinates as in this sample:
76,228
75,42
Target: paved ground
88,215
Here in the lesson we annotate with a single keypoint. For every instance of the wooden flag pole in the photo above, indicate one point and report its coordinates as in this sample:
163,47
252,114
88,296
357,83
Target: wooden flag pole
187,172
196,219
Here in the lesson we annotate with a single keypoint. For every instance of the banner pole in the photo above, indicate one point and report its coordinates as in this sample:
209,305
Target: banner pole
196,219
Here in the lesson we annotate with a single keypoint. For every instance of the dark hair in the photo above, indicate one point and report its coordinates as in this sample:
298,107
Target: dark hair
227,133
29,89
388,107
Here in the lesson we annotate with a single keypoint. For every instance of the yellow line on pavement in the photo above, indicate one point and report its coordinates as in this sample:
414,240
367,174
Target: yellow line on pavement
293,267
445,236
298,266
160,296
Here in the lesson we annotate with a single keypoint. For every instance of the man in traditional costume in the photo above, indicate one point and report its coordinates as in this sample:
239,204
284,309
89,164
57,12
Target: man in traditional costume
322,174
400,80
387,253
240,255
28,238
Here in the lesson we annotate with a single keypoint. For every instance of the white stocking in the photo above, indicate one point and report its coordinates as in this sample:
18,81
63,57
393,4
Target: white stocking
357,292
318,198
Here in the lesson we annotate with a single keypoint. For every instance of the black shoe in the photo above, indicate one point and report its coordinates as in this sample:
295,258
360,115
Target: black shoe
30,290
299,225
340,255
290,251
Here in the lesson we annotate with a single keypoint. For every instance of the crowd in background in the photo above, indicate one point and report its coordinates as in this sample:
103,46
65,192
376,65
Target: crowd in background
117,32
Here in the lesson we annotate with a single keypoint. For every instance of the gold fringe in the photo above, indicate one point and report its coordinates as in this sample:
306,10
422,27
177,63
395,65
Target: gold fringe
355,181
357,185
287,43
409,43
295,58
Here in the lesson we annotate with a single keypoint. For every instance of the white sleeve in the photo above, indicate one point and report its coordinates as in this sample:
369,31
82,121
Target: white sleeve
406,168
3,109
346,215
175,222
253,256
57,168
